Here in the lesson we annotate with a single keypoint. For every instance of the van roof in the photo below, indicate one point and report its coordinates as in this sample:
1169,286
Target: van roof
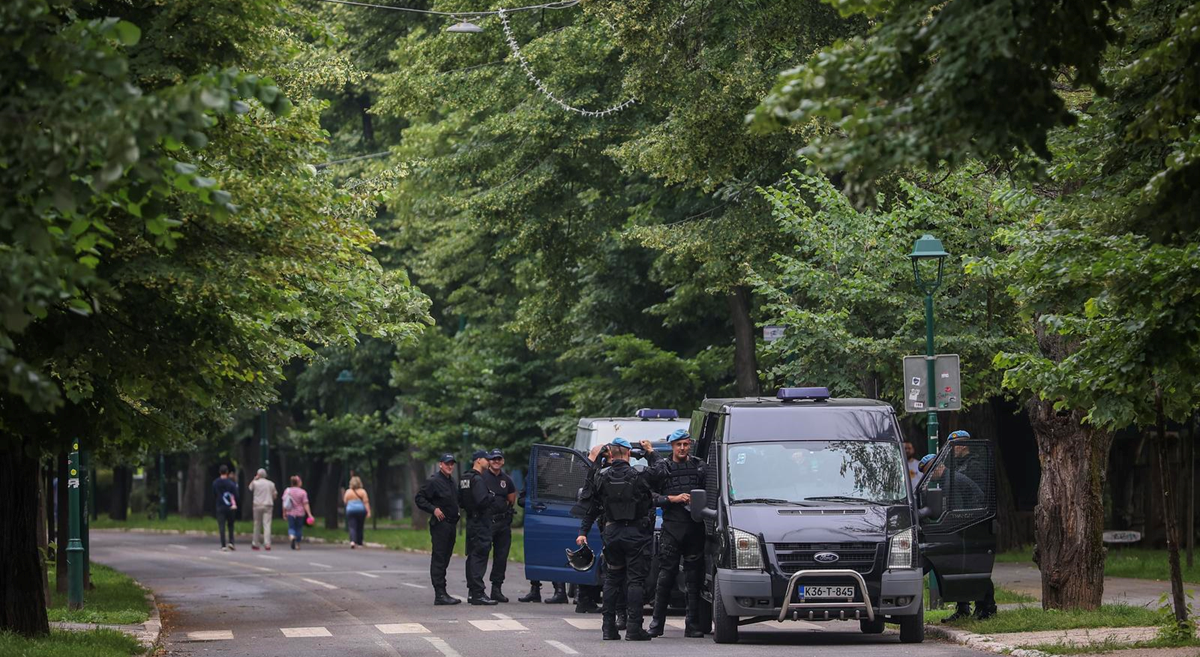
754,419
726,404
590,422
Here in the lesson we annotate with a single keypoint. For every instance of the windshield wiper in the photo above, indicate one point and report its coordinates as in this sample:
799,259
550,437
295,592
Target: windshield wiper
765,500
847,498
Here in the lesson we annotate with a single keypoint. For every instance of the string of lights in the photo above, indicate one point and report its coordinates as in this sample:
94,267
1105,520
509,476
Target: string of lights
520,56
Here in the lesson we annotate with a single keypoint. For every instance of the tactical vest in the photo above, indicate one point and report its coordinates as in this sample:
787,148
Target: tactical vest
619,493
682,478
464,493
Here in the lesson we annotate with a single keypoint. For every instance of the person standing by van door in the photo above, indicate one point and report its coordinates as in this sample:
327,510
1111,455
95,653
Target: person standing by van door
504,498
681,539
623,495
263,494
972,468
438,498
473,495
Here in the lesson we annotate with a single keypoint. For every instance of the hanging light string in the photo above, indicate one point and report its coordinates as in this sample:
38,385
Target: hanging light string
562,4
516,51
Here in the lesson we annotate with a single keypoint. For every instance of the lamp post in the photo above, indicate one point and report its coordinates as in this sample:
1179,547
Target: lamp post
74,543
926,252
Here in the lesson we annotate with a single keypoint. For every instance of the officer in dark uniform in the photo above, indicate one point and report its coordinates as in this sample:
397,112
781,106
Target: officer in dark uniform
503,500
970,476
439,498
475,500
681,539
624,496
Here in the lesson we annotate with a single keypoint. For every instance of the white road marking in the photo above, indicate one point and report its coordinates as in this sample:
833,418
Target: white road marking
387,646
676,623
319,565
502,616
368,575
178,547
313,581
267,556
265,570
586,623
442,646
204,558
211,635
402,628
304,632
563,647
498,625
415,586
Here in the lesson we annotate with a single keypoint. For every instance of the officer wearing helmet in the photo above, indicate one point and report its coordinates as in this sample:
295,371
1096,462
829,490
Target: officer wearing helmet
682,539
624,496
969,469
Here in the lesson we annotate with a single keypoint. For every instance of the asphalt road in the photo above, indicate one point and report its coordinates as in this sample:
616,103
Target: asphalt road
327,599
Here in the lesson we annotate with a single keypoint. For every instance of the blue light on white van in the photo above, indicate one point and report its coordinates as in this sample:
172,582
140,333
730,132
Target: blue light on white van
794,394
658,414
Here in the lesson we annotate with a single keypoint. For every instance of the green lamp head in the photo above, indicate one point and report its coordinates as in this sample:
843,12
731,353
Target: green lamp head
928,249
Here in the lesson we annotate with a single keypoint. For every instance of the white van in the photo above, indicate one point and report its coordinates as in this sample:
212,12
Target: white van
653,424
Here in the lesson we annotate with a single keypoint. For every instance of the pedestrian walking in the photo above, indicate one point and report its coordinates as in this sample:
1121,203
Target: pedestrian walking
358,509
225,490
262,494
482,506
623,496
504,495
297,510
681,542
439,498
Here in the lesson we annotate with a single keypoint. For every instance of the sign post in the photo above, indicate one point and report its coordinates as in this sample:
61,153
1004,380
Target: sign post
74,545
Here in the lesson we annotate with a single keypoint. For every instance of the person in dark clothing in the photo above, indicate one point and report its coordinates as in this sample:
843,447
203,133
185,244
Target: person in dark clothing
504,496
623,495
966,492
439,498
681,539
483,506
225,490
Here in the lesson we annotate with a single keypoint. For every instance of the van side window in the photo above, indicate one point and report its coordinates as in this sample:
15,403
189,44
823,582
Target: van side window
714,427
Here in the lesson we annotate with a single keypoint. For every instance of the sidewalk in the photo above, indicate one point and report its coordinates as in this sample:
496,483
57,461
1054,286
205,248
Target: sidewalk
1025,578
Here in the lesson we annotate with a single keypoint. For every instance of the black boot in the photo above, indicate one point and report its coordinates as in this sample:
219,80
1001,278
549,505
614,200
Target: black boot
963,611
621,621
609,629
440,598
585,603
481,599
498,595
633,605
691,623
534,595
560,595
658,620
637,634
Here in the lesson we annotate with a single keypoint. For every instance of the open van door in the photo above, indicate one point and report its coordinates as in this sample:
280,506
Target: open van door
958,537
556,475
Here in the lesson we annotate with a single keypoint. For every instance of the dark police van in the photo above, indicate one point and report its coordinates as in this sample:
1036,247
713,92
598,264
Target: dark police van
810,516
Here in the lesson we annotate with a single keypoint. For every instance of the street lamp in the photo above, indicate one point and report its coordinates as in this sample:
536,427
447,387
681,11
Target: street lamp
926,252
464,27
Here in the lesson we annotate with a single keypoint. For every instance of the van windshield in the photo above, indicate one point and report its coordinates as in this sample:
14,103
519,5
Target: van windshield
817,472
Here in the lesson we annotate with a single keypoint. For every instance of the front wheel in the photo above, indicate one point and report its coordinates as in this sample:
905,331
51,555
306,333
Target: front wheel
912,628
725,627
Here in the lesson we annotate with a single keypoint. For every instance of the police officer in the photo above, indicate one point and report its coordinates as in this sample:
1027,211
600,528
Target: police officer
439,498
624,496
474,499
503,498
970,476
682,539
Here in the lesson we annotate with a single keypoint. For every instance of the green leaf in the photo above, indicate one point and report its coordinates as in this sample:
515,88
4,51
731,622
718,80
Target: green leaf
127,33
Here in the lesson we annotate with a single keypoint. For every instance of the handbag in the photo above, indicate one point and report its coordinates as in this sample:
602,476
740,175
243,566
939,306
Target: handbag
287,500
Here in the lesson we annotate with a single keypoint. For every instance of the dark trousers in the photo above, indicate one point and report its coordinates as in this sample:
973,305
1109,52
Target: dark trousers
224,519
355,522
442,535
988,603
679,543
627,561
501,543
479,543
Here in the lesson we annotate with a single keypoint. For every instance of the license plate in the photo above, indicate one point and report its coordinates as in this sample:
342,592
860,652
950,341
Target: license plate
809,592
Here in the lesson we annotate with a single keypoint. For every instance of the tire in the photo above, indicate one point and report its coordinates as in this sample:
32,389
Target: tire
912,628
725,627
871,627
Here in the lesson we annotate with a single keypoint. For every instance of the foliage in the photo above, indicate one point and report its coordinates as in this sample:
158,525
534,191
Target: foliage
115,600
65,643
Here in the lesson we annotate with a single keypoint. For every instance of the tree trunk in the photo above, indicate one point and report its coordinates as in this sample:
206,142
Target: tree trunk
745,362
1170,514
122,485
368,124
43,537
22,597
192,504
64,526
1069,517
327,494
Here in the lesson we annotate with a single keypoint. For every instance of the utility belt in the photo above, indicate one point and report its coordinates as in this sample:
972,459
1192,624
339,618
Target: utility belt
639,523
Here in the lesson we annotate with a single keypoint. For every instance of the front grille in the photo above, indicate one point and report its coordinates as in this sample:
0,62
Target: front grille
859,557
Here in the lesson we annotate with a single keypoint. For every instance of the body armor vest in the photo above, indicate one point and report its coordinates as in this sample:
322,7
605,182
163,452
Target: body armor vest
619,494
682,478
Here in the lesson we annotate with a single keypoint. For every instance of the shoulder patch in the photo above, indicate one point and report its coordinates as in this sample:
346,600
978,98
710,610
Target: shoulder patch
465,483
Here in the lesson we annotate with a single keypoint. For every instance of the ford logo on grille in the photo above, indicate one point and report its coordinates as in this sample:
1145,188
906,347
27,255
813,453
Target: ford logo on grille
825,557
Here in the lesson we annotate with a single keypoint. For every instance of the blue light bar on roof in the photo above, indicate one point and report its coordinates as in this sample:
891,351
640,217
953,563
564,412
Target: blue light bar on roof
658,414
795,394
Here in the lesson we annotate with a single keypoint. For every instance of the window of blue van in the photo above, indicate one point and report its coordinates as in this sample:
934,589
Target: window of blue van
817,472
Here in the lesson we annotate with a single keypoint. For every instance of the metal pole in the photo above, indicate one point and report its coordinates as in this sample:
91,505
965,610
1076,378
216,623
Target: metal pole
87,500
930,373
74,545
263,445
162,486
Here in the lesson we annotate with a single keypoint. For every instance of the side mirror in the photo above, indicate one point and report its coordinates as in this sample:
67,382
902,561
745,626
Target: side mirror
699,506
933,503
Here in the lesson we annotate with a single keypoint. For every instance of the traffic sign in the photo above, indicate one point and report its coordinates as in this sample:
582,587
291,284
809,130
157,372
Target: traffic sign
772,333
947,383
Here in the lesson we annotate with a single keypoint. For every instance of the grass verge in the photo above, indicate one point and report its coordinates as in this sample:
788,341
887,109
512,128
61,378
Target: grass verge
116,600
1109,646
1036,619
96,643
392,535
1136,563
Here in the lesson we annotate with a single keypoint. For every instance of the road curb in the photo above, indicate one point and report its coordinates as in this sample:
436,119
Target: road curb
152,629
980,642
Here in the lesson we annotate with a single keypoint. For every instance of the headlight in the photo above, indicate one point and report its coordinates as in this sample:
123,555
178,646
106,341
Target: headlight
900,550
745,550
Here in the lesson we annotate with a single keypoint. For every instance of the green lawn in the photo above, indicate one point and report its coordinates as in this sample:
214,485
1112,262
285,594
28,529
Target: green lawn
1036,619
98,643
393,535
1003,596
1109,646
116,600
1138,563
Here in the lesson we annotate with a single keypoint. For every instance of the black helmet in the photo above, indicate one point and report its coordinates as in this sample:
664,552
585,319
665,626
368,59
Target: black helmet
581,559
